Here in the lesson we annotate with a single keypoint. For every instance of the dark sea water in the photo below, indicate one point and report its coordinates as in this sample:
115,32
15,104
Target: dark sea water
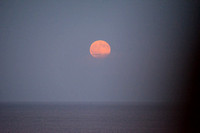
88,118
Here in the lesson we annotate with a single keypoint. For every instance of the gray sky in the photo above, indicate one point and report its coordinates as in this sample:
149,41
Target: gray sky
44,50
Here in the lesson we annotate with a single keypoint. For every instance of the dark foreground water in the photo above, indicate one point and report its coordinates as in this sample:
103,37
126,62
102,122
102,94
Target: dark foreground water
87,118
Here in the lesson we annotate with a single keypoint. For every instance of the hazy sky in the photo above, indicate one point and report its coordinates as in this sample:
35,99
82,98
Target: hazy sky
44,50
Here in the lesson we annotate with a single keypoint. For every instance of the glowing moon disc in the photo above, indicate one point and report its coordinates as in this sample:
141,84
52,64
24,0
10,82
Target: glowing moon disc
100,49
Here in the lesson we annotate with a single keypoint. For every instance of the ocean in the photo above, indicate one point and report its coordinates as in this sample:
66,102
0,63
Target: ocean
88,118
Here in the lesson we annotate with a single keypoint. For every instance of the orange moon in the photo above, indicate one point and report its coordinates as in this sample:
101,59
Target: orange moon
100,49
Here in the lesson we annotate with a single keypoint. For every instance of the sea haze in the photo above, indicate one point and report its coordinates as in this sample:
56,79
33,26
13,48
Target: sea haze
88,118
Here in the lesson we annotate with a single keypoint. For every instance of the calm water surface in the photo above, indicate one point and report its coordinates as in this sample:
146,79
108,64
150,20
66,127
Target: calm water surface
88,118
